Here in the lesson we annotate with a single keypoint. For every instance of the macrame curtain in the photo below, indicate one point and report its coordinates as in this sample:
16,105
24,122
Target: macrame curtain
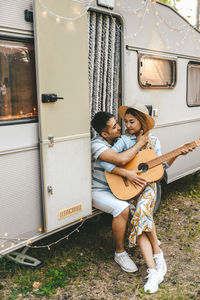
104,62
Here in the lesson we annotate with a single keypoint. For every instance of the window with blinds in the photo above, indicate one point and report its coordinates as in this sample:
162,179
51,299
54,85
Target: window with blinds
104,62
193,84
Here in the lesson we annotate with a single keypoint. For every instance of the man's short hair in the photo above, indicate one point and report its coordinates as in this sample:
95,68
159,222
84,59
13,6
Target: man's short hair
99,122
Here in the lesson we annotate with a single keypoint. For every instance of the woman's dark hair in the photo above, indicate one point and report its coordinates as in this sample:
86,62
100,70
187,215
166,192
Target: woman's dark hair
140,117
99,122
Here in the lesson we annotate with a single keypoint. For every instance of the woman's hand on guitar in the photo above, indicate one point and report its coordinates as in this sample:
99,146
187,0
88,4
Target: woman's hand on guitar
135,179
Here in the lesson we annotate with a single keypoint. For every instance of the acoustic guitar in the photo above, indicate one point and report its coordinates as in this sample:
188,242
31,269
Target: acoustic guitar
150,166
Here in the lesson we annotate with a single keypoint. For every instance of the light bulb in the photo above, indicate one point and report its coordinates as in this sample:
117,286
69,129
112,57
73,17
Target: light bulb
70,26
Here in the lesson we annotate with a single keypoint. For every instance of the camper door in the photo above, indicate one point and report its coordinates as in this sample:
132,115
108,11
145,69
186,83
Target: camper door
61,47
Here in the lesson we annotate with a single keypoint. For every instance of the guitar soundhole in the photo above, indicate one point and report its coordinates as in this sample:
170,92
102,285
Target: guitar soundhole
143,167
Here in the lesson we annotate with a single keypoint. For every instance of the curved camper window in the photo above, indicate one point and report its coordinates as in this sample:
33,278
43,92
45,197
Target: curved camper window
193,84
156,72
17,81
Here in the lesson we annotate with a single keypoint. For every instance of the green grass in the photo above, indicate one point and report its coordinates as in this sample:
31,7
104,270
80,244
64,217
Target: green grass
188,186
63,263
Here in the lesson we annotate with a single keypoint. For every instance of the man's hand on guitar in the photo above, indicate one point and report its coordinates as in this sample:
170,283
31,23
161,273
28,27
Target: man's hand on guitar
135,179
187,149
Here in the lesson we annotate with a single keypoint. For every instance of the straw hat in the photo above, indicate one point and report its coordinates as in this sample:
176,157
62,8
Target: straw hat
142,109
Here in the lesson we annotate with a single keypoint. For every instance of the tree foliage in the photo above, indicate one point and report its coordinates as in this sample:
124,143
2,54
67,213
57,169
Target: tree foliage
172,3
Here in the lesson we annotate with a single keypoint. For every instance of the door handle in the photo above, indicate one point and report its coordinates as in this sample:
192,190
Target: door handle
50,98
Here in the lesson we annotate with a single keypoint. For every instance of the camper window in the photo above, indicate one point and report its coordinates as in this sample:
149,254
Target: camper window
193,84
17,81
156,72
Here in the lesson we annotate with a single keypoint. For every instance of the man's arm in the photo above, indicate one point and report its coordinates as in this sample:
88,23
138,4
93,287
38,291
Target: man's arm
183,152
122,158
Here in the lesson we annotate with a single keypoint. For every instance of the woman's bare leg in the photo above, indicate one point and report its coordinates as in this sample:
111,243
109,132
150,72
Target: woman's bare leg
146,250
152,236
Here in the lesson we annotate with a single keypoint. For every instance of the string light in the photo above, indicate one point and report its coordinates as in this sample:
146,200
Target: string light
48,11
128,9
76,11
138,11
183,28
70,26
44,13
40,229
139,15
48,246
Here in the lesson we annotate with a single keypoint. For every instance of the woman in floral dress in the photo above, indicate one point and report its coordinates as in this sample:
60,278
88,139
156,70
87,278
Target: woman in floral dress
142,229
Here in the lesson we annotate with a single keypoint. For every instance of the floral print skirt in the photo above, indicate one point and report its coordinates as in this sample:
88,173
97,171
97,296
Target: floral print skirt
141,216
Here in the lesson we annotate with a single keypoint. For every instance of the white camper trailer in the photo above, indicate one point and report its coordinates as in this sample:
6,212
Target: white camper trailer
132,51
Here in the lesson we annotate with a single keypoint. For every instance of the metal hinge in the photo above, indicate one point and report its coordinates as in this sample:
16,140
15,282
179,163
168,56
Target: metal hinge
50,189
51,140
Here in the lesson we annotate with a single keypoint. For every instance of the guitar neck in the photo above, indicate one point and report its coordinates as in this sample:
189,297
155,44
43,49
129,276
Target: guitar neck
174,153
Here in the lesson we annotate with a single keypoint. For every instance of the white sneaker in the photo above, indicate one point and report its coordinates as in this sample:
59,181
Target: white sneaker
125,262
154,278
160,263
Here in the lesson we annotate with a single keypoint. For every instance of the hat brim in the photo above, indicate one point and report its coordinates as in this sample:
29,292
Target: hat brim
149,120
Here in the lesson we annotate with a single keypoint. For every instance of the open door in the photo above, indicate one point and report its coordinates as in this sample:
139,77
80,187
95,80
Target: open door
61,47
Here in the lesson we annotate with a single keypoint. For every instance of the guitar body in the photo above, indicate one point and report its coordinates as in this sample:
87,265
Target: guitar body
125,190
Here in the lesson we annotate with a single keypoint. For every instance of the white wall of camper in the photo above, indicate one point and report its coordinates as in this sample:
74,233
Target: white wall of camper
141,11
